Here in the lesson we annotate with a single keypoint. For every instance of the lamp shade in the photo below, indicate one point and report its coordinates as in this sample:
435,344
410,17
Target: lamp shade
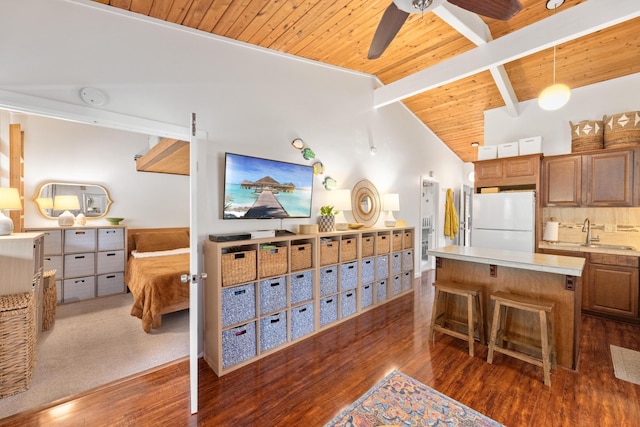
10,198
341,200
390,202
554,97
63,203
45,202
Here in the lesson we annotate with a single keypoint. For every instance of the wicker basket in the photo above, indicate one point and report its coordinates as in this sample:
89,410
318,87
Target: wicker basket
328,252
622,130
397,241
367,246
383,243
348,249
408,239
238,267
272,261
49,299
300,256
587,135
18,332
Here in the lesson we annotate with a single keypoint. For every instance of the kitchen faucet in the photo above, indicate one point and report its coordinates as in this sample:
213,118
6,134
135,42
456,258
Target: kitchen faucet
586,226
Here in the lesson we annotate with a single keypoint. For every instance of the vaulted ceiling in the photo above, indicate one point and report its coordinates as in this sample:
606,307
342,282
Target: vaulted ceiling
339,32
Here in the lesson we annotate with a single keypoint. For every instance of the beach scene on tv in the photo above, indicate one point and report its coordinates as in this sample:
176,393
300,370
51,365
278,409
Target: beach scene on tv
261,188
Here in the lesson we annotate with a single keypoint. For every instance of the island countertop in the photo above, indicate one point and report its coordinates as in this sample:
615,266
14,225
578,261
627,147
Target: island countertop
557,264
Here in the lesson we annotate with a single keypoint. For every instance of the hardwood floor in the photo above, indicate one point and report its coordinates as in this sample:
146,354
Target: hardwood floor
310,382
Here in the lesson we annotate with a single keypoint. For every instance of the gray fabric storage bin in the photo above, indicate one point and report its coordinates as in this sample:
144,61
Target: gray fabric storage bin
273,331
407,260
396,262
328,310
396,285
238,344
381,290
382,267
367,295
238,304
329,280
368,270
301,287
407,283
348,303
273,295
302,320
349,275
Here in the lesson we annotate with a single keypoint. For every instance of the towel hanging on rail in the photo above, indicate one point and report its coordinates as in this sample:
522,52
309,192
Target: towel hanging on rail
450,217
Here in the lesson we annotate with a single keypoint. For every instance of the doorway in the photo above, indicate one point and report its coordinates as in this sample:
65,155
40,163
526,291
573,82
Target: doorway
430,191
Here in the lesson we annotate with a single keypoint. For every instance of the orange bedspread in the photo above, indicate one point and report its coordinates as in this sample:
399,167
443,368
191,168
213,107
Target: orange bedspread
155,284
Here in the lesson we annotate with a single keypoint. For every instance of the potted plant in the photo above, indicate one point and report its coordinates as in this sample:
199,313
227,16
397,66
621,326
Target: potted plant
327,218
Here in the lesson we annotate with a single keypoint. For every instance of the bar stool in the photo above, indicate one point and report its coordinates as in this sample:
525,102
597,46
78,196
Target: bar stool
442,321
499,330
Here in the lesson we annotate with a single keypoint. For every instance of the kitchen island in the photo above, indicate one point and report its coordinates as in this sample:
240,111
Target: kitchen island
549,277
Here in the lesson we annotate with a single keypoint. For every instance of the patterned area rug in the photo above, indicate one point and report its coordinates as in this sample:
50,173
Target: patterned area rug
399,400
626,364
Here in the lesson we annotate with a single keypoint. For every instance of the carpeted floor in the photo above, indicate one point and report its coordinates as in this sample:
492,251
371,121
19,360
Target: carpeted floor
399,400
95,342
626,364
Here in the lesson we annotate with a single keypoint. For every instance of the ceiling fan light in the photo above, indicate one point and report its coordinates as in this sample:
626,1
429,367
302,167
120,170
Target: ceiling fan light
554,97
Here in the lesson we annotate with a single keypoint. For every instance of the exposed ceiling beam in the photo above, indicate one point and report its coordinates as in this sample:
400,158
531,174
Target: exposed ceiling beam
573,23
477,31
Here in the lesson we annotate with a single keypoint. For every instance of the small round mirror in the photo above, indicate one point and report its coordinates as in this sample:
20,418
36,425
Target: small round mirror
365,203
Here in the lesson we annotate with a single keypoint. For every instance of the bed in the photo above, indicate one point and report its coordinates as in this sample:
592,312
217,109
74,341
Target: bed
157,259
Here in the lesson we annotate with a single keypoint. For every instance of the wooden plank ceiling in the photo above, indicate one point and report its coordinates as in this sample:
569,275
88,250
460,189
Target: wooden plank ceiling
338,32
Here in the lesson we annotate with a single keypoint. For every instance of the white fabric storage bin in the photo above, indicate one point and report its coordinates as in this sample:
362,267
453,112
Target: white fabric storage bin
302,320
368,273
110,239
407,260
78,289
367,295
238,304
110,283
53,262
329,280
238,344
381,290
301,287
407,283
508,149
52,242
349,275
396,262
273,331
328,310
348,303
76,265
273,294
109,262
396,285
532,145
382,267
487,152
80,240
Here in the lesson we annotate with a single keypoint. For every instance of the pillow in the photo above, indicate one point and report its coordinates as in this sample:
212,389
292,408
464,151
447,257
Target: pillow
180,251
161,241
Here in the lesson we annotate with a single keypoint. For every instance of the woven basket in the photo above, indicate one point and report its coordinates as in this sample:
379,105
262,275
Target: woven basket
17,350
622,130
49,299
587,135
272,261
408,240
368,246
238,267
348,249
396,241
300,256
328,252
383,243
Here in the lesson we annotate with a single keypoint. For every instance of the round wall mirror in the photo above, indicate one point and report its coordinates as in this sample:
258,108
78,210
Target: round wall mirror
365,203
93,199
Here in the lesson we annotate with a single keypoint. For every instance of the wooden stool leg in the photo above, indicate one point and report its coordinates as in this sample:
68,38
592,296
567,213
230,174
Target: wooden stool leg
479,311
470,327
546,362
434,313
494,331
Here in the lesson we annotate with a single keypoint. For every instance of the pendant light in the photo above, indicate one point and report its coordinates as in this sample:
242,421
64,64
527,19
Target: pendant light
557,95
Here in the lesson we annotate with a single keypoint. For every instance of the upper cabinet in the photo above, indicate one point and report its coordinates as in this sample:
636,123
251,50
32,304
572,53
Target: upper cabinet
603,179
508,172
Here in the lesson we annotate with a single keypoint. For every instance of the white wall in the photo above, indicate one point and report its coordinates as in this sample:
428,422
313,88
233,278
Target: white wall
586,103
248,100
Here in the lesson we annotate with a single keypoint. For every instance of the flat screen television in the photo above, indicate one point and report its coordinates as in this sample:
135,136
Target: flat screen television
256,188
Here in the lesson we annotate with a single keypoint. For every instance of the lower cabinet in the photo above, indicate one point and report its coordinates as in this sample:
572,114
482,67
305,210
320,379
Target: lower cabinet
262,295
613,286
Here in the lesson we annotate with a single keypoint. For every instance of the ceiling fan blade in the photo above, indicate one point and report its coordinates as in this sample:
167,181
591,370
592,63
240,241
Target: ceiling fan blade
391,22
497,9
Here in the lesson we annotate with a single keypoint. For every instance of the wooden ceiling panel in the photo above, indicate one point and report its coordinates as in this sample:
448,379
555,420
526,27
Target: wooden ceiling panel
339,32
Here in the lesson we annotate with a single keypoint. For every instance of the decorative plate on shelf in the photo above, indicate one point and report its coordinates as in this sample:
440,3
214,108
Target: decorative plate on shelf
114,221
355,226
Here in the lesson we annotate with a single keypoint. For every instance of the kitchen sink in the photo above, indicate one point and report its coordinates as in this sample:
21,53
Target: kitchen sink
593,245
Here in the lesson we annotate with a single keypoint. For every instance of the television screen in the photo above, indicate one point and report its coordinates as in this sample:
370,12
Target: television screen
258,188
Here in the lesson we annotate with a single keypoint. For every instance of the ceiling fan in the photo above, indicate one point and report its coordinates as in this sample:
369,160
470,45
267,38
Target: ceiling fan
398,11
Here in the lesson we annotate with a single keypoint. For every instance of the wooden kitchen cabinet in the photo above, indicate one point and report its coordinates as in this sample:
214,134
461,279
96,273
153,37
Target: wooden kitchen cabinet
508,172
562,181
612,287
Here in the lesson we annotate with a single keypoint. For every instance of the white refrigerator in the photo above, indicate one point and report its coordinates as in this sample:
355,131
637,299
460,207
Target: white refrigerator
504,221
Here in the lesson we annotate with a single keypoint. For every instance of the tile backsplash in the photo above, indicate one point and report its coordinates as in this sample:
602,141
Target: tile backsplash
613,226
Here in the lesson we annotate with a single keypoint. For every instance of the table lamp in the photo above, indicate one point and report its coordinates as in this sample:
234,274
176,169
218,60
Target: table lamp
66,203
10,200
341,200
390,203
